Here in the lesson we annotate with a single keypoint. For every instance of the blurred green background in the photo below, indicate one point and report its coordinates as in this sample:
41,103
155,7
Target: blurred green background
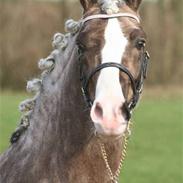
155,152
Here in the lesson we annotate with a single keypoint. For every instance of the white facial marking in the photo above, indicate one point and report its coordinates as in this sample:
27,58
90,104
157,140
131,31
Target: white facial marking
115,44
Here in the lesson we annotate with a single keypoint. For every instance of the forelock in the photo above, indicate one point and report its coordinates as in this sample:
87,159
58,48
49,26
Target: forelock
110,6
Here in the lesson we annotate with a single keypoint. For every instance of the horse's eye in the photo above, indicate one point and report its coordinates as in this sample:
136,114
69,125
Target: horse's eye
140,43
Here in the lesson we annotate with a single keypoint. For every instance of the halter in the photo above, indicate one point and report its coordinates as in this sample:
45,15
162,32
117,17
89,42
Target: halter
137,85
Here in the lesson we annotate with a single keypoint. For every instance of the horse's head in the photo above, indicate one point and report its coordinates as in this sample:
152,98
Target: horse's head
113,61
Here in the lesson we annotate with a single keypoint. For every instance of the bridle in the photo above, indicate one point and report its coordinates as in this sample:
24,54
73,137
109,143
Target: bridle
137,85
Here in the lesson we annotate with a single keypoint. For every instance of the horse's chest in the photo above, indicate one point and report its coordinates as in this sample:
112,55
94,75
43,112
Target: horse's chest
86,171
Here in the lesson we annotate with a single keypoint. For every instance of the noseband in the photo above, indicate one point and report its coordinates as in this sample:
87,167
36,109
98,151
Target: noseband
137,85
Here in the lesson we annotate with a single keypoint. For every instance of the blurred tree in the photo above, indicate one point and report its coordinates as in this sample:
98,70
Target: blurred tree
26,28
163,22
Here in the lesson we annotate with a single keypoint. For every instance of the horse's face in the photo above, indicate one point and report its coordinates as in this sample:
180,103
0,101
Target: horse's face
120,40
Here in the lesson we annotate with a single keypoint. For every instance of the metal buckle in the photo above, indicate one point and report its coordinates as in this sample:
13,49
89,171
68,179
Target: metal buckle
145,64
147,54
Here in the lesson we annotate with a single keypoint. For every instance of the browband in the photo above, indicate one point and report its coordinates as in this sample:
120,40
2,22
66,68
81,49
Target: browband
105,16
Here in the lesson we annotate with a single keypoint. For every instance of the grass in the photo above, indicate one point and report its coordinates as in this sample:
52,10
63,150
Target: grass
9,116
155,147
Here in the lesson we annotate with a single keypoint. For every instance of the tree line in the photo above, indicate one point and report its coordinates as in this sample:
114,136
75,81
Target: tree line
26,30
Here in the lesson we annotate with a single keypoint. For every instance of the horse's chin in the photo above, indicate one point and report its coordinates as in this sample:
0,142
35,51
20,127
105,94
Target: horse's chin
105,133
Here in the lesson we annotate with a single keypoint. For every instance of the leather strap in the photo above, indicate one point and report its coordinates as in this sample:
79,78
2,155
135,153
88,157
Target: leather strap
105,16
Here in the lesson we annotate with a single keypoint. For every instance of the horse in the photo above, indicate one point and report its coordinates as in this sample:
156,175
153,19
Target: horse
75,128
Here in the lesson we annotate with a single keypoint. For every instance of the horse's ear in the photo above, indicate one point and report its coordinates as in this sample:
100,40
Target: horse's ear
133,4
87,4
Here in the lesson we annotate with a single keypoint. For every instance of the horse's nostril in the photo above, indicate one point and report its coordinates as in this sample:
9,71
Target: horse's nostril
98,110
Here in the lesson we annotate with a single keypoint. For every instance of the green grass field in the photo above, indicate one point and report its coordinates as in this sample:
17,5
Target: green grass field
155,147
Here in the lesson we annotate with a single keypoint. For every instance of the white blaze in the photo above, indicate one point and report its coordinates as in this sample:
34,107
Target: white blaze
115,43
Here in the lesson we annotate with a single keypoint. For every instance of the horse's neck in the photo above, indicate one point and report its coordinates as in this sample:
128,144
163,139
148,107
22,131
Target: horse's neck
60,135
59,118
89,166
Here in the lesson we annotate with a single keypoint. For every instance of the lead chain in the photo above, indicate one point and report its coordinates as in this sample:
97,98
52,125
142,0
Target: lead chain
114,177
